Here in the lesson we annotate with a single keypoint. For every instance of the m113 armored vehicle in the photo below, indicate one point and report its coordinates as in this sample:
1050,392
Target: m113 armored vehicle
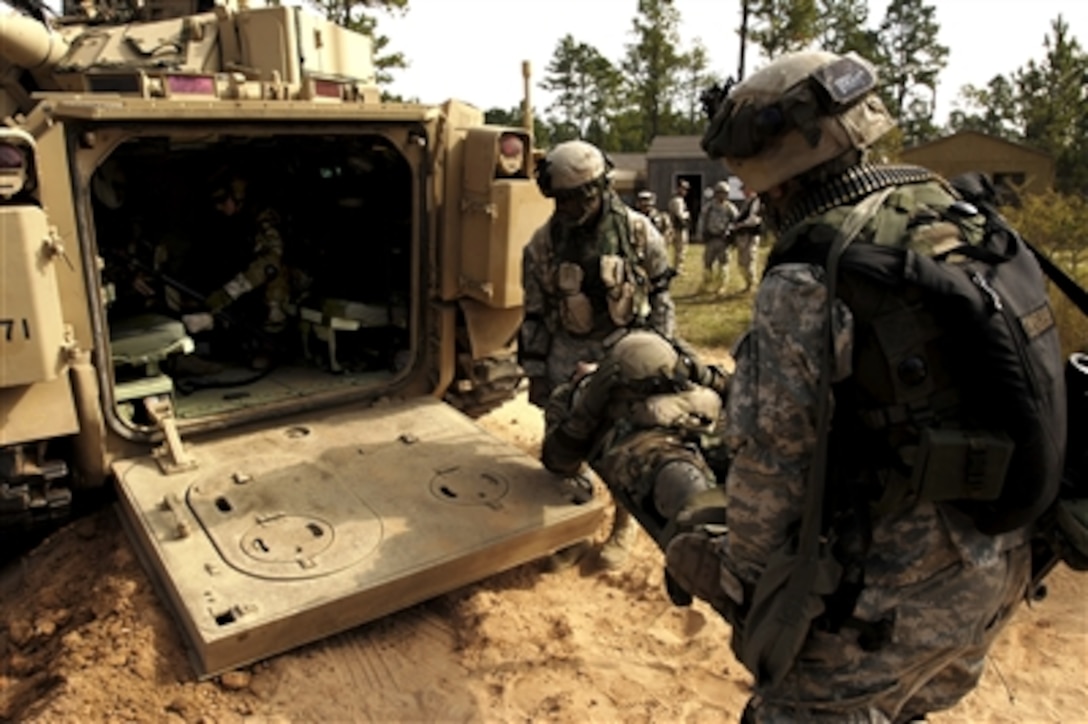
334,482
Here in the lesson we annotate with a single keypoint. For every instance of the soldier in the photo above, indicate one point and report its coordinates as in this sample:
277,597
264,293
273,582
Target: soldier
745,237
254,249
596,266
647,419
647,204
680,221
713,231
904,626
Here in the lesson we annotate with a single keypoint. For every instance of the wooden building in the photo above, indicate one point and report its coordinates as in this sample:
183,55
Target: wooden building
1018,167
671,158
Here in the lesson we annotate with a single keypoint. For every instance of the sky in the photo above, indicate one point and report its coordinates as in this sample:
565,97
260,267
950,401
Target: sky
472,49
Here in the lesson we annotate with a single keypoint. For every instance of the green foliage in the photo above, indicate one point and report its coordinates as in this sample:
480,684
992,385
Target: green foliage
1056,223
991,109
911,59
705,319
843,28
542,132
653,65
1043,104
782,26
586,85
354,15
695,77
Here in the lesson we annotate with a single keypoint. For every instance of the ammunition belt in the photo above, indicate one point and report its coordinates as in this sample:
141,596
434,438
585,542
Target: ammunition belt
849,188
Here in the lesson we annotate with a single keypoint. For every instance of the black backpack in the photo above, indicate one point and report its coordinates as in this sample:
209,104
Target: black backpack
958,390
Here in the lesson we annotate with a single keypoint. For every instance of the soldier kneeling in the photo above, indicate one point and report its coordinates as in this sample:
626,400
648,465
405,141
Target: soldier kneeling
647,419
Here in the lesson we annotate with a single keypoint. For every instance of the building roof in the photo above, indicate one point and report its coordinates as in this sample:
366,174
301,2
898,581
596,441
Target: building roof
629,161
676,147
977,134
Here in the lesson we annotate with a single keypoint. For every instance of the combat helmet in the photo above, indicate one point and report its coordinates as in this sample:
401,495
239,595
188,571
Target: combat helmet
572,165
722,187
799,111
646,359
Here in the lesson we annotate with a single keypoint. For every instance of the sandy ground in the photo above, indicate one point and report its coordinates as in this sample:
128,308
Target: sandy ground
84,638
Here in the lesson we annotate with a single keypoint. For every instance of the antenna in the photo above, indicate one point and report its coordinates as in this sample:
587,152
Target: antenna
743,38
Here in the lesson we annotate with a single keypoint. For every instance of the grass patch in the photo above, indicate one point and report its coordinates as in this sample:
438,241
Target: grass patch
711,322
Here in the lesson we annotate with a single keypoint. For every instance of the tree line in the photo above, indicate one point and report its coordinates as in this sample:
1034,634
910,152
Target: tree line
654,88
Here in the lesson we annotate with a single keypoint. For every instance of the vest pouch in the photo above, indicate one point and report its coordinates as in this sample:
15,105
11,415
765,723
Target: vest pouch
961,465
575,309
776,626
569,278
576,313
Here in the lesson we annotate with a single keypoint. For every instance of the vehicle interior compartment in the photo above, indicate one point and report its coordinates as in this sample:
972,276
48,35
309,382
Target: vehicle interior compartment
186,224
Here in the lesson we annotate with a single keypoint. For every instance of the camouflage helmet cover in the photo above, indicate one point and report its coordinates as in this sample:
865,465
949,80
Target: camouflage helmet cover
644,355
646,196
799,111
722,187
571,165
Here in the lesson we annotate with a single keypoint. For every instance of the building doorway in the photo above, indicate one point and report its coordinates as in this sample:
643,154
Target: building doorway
694,198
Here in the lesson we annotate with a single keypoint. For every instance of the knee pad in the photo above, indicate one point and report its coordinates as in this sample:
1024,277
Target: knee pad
675,483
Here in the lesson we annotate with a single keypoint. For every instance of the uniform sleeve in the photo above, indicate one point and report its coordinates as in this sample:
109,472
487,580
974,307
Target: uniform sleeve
266,265
534,337
662,307
772,411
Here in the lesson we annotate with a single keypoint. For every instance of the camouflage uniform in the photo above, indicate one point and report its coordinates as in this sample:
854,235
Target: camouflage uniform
745,238
713,231
551,340
922,593
646,438
265,271
680,222
661,222
944,588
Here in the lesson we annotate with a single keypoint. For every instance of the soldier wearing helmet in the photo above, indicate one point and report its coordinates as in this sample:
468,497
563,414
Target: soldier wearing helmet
646,203
647,419
746,235
680,221
904,604
258,289
594,267
713,230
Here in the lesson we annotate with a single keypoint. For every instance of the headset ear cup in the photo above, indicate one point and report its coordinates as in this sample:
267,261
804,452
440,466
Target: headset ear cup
543,177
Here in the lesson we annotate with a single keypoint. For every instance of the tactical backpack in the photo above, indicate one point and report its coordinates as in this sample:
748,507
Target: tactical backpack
958,390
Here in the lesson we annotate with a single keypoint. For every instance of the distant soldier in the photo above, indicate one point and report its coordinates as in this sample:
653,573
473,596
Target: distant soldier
647,204
594,267
680,220
255,249
713,230
647,418
745,237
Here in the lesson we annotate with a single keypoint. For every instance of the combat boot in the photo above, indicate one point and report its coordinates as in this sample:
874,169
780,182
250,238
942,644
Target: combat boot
708,281
616,549
723,280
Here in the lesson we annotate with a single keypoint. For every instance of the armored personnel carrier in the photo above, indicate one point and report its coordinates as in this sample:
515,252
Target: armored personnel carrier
250,296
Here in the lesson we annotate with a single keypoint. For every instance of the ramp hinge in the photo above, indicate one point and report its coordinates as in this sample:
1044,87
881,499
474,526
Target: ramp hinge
171,455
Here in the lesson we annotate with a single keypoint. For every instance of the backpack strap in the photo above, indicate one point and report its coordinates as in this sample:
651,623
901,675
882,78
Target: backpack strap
811,521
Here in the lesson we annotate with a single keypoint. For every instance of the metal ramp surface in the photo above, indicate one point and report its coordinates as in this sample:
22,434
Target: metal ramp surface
292,532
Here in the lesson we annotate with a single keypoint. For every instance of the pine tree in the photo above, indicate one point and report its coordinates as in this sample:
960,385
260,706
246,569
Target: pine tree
782,26
586,86
652,67
911,59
